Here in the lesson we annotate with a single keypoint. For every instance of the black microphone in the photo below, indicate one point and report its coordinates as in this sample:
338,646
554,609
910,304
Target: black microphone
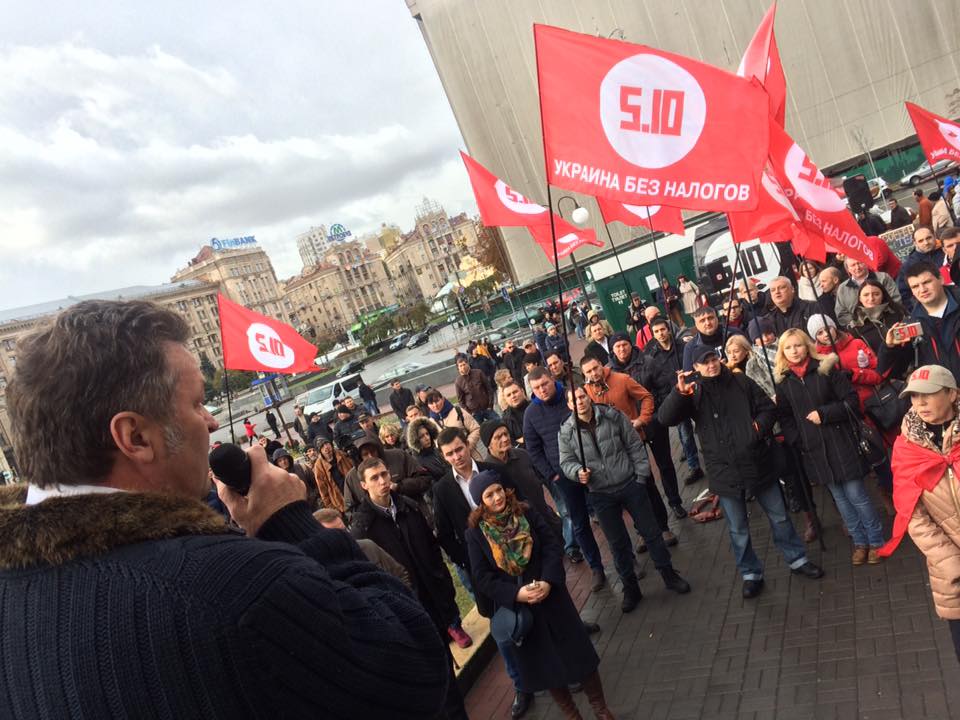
231,466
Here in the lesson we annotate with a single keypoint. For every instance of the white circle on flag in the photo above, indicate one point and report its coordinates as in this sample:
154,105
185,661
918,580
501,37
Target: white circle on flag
950,134
774,190
267,348
652,110
809,183
641,211
515,201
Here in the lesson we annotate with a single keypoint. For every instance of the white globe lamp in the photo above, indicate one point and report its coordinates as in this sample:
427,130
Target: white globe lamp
580,215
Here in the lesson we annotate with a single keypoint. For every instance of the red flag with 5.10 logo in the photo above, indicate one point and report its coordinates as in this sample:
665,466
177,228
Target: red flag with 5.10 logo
498,203
821,209
252,341
648,127
939,137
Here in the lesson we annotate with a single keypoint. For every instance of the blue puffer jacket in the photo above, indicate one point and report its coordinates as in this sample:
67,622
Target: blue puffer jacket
541,425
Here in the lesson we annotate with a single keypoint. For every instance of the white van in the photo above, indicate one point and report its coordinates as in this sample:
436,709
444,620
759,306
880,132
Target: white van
320,399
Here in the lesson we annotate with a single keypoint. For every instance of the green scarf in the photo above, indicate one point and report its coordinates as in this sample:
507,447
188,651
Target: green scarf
510,541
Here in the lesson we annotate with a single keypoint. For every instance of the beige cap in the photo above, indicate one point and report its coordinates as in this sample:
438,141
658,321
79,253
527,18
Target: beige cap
929,379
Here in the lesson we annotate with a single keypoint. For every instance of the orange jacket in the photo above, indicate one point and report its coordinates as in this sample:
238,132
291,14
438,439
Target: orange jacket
624,393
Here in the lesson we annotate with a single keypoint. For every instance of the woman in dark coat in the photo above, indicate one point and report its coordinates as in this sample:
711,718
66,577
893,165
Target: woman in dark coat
875,313
816,400
422,444
517,561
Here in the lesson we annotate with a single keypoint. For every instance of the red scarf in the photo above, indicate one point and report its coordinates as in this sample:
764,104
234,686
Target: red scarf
915,469
801,369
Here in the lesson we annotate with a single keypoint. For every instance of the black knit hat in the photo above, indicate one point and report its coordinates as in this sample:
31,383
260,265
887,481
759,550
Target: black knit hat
488,429
617,337
484,479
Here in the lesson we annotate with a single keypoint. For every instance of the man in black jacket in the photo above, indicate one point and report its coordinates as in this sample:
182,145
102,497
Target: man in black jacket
659,375
924,250
512,358
395,524
512,415
709,334
937,310
786,310
733,419
119,514
400,399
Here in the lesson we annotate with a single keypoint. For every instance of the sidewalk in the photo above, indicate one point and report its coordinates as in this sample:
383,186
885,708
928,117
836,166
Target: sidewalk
861,643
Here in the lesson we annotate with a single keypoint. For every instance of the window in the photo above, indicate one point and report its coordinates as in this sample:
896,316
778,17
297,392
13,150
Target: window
9,344
181,305
202,314
197,343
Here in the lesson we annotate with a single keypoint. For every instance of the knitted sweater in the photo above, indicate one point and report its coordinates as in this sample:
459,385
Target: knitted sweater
148,606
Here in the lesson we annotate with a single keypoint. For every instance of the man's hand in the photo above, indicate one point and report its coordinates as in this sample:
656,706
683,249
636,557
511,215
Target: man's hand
683,386
890,339
271,488
814,417
584,476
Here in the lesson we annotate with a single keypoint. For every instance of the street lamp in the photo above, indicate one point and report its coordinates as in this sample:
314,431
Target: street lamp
579,217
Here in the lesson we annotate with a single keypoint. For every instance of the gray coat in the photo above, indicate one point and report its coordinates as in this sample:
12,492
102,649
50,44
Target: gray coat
612,448
848,292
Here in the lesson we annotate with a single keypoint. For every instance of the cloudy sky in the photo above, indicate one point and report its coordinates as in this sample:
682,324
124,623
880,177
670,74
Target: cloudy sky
132,132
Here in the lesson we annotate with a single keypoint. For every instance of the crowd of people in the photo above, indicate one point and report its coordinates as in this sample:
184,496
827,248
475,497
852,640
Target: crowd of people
810,381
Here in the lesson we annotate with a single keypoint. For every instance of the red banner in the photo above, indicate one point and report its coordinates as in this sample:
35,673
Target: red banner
569,238
499,204
771,220
821,209
939,137
658,218
647,127
252,341
761,60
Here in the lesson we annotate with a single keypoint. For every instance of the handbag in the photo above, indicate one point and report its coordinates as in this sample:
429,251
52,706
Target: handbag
869,443
511,625
885,407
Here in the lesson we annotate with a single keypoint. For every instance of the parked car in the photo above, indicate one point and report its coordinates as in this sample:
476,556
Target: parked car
418,339
398,342
213,409
399,371
320,399
924,171
354,366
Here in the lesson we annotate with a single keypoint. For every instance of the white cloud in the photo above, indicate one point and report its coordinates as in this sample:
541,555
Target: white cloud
116,165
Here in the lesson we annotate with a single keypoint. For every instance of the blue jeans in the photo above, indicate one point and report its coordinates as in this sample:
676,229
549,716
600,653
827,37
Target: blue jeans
784,535
569,541
634,499
372,407
481,416
508,651
689,444
858,513
576,496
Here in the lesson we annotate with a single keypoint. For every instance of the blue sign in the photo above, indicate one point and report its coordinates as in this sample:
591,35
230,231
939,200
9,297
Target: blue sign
233,243
338,232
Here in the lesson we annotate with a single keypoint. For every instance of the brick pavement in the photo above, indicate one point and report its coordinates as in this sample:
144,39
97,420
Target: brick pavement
861,643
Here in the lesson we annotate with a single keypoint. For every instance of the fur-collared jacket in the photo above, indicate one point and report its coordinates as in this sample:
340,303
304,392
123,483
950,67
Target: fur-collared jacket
149,606
430,460
829,451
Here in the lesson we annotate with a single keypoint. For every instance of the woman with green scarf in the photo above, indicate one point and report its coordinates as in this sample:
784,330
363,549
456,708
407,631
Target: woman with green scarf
516,561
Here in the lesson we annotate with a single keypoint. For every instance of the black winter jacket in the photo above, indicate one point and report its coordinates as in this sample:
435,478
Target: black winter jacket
633,367
513,361
940,343
513,418
541,424
148,606
829,451
796,315
450,513
733,418
409,541
660,369
400,400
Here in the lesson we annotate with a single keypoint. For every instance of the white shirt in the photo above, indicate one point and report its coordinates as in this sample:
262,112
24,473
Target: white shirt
464,483
38,494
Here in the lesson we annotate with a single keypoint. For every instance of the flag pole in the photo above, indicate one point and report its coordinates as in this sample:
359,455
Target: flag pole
733,285
613,246
226,381
556,262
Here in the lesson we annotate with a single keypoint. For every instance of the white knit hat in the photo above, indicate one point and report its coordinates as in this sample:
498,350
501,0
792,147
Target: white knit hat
818,322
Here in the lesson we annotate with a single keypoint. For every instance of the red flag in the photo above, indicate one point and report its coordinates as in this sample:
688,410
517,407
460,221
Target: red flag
658,218
821,209
499,204
772,218
647,127
939,137
761,60
569,238
252,341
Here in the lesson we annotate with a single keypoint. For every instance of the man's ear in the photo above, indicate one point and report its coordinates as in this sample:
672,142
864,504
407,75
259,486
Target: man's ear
136,437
